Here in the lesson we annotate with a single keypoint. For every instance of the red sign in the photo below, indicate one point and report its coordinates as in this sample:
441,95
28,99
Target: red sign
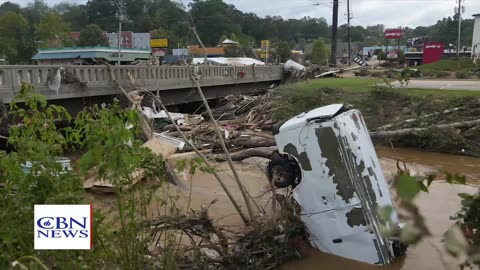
393,33
432,52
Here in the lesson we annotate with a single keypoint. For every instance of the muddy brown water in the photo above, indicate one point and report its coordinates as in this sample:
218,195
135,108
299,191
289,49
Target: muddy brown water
437,206
464,165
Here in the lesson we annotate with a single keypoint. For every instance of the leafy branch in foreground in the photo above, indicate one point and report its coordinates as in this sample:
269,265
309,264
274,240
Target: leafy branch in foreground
31,174
459,243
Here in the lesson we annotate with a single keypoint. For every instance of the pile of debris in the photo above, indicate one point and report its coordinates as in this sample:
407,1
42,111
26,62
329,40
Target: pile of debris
243,120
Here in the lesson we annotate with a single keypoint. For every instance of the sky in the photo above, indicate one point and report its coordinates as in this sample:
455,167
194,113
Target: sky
392,13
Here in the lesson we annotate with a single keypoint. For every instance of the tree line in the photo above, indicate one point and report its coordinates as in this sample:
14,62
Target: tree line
25,29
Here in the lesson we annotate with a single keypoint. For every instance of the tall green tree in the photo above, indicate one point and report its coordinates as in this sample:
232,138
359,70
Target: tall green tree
284,51
13,34
92,35
319,52
222,38
213,17
234,37
102,13
75,15
9,6
53,31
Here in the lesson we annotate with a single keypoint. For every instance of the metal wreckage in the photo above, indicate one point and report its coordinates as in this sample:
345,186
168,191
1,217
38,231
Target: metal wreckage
327,156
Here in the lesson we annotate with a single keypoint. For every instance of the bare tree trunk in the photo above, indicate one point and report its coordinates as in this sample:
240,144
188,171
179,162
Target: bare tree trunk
248,153
249,142
195,149
406,131
224,147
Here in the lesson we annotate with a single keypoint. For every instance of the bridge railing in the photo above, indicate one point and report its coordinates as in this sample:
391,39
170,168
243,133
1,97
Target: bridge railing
95,80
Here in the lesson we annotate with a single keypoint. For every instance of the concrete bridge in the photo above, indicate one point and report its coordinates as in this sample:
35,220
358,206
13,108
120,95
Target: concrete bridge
173,82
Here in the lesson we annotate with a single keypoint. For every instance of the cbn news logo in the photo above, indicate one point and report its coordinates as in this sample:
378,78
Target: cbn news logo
63,227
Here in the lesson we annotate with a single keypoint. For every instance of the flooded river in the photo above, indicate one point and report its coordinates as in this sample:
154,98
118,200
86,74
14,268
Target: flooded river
437,207
467,166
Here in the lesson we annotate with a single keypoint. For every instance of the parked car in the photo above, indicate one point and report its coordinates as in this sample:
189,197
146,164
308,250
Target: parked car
328,158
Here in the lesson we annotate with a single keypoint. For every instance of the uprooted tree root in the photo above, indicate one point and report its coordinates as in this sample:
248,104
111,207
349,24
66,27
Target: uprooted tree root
200,244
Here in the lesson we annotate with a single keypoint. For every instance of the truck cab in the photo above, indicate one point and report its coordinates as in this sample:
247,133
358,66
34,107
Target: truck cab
327,157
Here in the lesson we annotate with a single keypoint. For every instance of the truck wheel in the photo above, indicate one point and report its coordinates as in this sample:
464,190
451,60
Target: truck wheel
281,172
399,249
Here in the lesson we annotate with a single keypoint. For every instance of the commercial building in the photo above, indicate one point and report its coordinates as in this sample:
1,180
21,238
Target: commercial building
88,56
196,50
129,39
476,38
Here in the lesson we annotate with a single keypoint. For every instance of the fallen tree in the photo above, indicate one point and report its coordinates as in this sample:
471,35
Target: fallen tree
248,153
407,131
262,147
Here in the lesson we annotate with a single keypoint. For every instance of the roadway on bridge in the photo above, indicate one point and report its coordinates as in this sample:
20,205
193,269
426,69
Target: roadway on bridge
470,85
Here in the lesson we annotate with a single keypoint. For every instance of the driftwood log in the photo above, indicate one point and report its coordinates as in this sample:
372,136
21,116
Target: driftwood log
248,153
258,146
406,131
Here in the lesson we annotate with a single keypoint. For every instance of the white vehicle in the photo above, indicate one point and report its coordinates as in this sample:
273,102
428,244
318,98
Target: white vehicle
327,156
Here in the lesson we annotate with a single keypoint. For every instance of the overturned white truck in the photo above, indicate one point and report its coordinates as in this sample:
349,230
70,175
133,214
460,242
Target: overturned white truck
328,158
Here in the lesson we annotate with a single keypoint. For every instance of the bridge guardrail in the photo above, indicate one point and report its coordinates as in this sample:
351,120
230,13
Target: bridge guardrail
95,80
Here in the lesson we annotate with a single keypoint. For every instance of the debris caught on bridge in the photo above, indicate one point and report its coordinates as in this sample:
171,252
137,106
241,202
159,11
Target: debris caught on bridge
243,120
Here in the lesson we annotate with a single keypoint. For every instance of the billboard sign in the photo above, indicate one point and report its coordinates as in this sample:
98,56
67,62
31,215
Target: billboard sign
156,52
159,43
360,62
432,52
393,33
265,45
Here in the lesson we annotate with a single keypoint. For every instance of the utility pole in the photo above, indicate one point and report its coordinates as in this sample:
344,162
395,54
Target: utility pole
333,60
459,14
348,34
120,15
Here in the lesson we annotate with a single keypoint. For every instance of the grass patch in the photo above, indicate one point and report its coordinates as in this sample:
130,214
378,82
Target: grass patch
346,84
455,64
364,85
382,105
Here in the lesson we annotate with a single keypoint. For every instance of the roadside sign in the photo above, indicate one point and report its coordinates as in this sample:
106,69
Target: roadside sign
156,52
159,43
265,45
393,33
360,62
432,52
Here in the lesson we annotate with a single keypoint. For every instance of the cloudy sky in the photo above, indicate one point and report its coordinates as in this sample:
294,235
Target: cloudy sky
391,13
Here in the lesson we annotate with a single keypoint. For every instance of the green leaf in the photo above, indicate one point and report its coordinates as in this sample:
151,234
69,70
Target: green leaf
455,241
465,196
423,187
407,187
459,179
410,234
385,213
206,169
181,165
430,179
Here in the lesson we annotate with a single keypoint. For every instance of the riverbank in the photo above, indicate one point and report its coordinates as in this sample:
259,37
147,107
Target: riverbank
389,108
